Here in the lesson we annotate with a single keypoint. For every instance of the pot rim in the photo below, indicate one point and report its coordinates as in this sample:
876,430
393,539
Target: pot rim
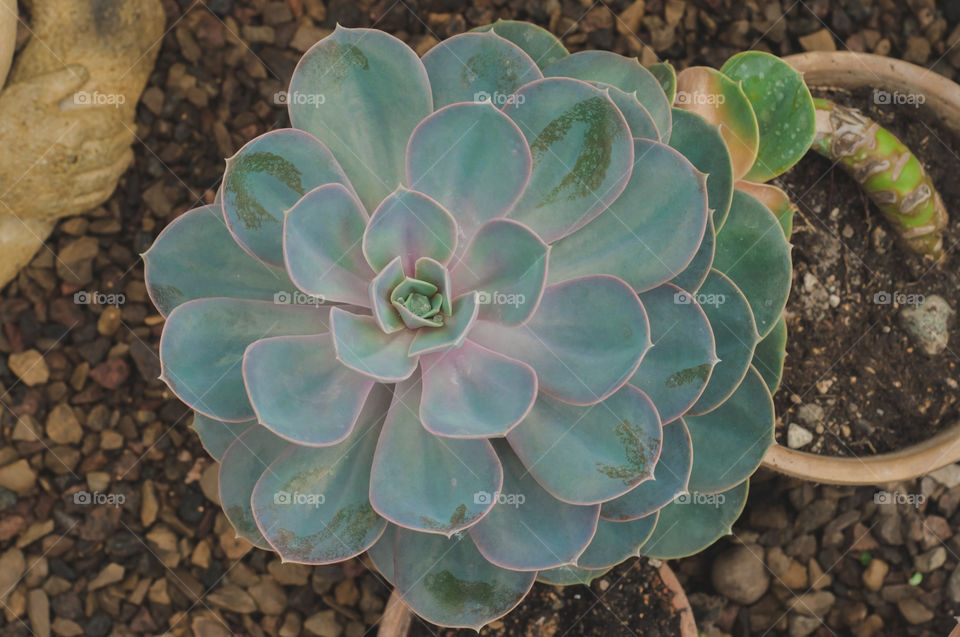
847,69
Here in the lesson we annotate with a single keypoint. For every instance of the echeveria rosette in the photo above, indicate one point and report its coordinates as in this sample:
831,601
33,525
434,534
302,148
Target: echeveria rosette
494,315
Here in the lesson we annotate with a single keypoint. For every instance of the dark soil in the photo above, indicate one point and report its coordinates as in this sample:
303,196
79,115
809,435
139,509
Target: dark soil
630,600
846,353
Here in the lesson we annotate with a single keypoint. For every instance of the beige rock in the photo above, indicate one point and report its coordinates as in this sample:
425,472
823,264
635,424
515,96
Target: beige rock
62,425
38,610
18,476
12,564
30,367
233,598
111,574
875,573
68,106
821,40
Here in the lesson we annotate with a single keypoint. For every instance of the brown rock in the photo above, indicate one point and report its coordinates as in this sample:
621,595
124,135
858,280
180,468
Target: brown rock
346,593
917,51
30,367
740,575
812,604
38,610
148,504
12,564
109,320
914,612
18,476
110,574
233,598
270,597
62,425
111,373
821,40
875,573
323,624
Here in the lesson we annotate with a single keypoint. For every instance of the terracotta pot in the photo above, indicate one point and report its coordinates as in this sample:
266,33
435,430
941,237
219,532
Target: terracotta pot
397,617
849,70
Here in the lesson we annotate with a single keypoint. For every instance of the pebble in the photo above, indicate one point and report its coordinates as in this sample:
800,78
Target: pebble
914,612
927,323
38,610
930,560
18,476
30,367
109,320
801,625
323,624
821,40
875,573
62,425
948,476
740,575
232,598
797,436
814,604
270,597
12,564
110,574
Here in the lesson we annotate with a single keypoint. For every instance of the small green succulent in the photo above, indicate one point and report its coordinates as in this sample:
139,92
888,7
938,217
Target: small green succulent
496,315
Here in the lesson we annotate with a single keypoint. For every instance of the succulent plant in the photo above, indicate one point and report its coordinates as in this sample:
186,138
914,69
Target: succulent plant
496,315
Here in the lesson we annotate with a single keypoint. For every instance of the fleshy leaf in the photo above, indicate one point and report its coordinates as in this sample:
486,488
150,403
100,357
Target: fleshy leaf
702,144
541,45
569,576
667,76
638,117
472,159
626,74
362,92
783,106
473,67
321,245
694,521
178,264
776,201
362,346
650,233
585,340
543,532
216,435
676,369
443,478
381,289
265,178
735,333
616,541
720,100
448,582
300,390
696,273
472,392
753,252
312,504
770,353
241,466
454,330
202,347
670,478
383,554
730,441
582,154
427,269
410,225
507,264
586,455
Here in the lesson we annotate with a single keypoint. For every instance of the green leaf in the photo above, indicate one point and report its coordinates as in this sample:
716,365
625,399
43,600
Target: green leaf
539,44
410,225
362,346
617,541
667,76
770,354
216,435
702,144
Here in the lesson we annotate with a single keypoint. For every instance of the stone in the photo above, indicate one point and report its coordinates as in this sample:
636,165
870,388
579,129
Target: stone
927,323
917,50
62,425
821,40
38,610
149,507
875,573
797,436
346,593
233,598
18,476
948,476
740,575
323,624
109,321
930,560
815,515
111,373
289,574
209,626
30,367
12,564
810,414
870,626
110,574
953,586
291,625
801,625
914,612
270,597
795,577
815,604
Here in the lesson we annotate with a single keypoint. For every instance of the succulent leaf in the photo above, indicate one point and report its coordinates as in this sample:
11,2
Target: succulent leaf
471,67
585,340
586,455
754,253
659,221
410,225
769,355
447,581
735,334
544,532
616,541
312,503
454,330
301,392
638,117
670,478
216,435
696,273
569,576
730,441
472,159
702,144
692,522
582,153
361,92
776,201
676,369
626,74
783,106
202,347
177,266
667,76
265,178
442,476
321,245
473,392
381,290
362,346
507,264
541,45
